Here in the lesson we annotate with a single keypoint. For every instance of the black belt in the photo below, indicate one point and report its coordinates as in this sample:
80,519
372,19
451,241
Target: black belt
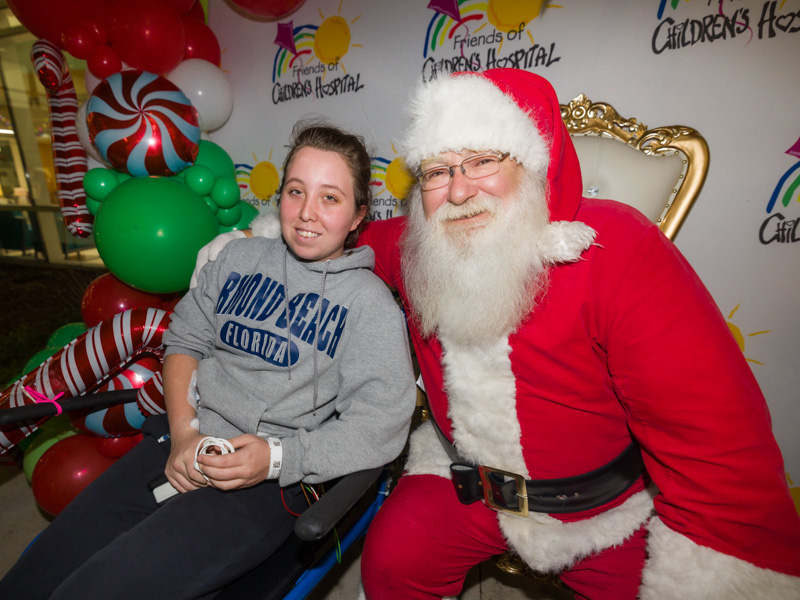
511,492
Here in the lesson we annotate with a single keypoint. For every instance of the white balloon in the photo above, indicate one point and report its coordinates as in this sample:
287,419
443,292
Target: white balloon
83,135
90,81
207,89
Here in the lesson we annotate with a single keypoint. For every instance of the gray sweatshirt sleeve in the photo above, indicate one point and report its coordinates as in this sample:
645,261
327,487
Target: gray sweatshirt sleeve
191,328
375,401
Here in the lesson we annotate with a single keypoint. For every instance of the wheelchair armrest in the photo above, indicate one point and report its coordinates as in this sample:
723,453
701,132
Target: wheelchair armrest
320,517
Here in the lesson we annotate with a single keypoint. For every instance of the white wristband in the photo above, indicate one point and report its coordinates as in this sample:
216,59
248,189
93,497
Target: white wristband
275,457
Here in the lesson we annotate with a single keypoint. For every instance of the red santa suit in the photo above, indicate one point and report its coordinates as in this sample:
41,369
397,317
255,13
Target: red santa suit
627,344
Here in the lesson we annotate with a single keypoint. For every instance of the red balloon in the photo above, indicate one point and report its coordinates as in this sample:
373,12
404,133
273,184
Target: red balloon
65,470
106,296
268,9
147,34
200,41
49,19
115,447
104,61
197,12
182,6
98,28
79,40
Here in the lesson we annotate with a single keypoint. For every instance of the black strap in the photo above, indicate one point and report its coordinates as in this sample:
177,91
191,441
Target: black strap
553,496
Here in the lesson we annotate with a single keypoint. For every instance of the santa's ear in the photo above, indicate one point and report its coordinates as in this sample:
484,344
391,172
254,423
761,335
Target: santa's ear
565,241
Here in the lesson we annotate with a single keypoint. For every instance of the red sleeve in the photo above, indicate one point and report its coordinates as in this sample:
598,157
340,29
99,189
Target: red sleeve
696,409
383,237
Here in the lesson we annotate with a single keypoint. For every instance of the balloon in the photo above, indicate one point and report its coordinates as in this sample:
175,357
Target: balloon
107,296
225,194
216,159
197,13
92,357
200,179
38,358
65,470
98,29
65,334
83,135
104,61
149,230
249,212
147,34
207,88
143,124
98,183
268,9
69,156
40,442
229,216
116,447
79,40
200,41
181,6
49,19
120,419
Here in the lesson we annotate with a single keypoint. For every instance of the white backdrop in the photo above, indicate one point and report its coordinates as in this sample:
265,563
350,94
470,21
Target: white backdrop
728,68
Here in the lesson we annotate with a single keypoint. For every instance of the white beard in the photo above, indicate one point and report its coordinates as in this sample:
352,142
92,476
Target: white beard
480,285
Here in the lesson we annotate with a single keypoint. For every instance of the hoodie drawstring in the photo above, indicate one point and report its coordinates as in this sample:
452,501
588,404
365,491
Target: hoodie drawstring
316,330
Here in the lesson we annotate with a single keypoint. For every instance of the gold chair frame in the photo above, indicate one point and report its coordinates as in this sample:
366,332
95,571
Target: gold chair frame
584,117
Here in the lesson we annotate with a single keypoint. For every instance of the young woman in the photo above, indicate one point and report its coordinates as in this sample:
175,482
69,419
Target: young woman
292,351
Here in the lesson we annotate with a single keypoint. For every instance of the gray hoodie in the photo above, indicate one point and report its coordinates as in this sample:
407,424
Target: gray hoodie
337,386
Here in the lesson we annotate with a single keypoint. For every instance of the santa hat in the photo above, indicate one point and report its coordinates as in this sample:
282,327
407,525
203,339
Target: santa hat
508,110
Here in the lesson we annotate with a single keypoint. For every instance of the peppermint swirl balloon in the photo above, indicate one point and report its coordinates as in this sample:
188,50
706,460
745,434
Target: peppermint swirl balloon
143,124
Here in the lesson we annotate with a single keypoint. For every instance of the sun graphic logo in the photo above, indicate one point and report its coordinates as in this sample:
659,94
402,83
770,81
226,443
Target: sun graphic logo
394,177
777,227
740,337
328,43
258,184
455,18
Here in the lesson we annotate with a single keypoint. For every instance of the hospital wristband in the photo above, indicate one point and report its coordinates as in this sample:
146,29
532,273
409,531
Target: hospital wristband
275,457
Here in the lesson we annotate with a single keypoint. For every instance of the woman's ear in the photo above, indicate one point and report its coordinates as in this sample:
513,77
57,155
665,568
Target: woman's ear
362,212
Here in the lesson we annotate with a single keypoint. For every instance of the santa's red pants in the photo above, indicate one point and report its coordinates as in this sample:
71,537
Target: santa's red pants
423,542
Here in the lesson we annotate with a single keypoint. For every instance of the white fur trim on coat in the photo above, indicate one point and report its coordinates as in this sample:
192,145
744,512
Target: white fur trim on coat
266,225
678,568
458,113
565,241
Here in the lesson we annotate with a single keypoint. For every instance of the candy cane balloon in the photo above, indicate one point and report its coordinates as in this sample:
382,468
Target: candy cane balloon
84,364
69,156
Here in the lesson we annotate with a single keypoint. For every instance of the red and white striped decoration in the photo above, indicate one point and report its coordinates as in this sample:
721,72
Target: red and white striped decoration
69,155
85,364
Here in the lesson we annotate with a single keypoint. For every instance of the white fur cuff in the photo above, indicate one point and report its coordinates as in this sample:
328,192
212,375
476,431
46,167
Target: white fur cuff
565,241
266,225
677,569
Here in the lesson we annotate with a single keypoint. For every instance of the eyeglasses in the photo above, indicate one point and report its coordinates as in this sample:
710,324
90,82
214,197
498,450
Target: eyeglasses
474,167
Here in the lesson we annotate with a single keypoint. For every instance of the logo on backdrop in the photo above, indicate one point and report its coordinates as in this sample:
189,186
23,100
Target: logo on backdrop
741,19
474,35
391,182
310,60
259,182
782,226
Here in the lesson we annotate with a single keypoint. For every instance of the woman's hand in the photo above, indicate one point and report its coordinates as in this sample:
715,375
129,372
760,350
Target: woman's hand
180,465
246,467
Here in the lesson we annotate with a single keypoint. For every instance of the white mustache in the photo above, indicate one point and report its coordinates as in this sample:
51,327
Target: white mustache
474,206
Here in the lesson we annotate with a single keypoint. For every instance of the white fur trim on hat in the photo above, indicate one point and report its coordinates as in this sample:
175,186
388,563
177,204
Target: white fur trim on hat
266,225
678,568
470,112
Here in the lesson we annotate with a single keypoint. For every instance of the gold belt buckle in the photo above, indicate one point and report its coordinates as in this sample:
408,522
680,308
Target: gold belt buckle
491,491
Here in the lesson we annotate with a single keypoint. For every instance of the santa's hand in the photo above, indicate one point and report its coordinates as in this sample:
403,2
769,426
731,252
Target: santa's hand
209,252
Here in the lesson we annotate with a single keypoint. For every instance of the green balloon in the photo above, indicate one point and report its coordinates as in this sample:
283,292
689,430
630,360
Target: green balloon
92,205
200,179
229,216
210,203
249,212
65,334
122,177
149,230
99,182
226,192
216,159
